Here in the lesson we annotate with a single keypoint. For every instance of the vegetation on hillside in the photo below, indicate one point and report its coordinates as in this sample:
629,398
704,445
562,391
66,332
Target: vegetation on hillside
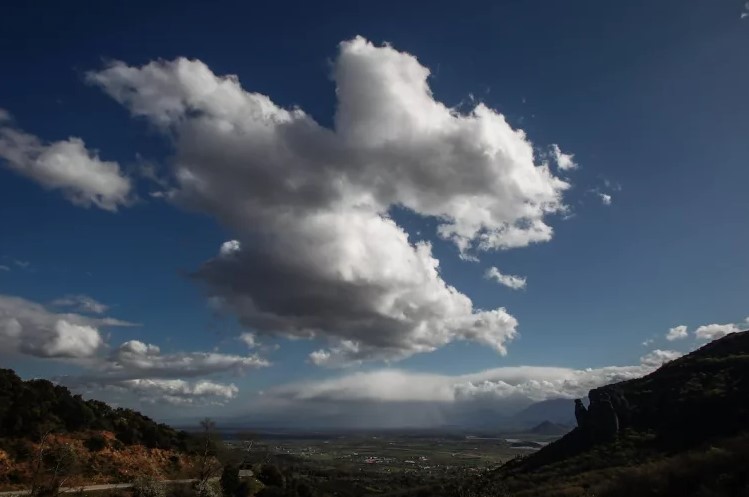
51,438
29,409
687,434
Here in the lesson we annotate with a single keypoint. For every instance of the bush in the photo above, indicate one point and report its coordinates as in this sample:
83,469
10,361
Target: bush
95,443
270,475
180,490
148,487
230,480
207,489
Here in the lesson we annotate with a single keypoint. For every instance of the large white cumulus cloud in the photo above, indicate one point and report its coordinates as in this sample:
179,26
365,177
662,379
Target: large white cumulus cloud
316,253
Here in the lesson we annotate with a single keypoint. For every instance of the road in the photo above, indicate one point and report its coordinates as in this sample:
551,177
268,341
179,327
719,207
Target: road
91,488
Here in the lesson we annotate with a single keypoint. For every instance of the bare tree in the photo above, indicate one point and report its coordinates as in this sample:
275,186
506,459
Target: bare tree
52,467
209,465
248,439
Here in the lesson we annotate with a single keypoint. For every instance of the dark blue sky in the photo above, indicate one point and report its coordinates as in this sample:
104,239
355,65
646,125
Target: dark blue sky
650,97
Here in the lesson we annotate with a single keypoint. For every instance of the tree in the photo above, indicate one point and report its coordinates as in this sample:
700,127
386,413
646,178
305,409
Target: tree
230,480
208,464
52,466
248,439
147,486
271,475
95,443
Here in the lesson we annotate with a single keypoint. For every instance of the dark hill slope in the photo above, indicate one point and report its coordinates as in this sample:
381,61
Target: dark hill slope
30,408
686,434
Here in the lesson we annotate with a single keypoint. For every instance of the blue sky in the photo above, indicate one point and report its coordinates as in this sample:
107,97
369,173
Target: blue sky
649,99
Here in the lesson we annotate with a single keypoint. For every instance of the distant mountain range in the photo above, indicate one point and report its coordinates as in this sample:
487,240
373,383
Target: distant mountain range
557,411
417,416
547,428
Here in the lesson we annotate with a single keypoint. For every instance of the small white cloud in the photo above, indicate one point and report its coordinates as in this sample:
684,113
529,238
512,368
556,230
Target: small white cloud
68,166
564,162
82,303
229,247
677,333
508,280
248,339
648,342
715,331
4,268
5,116
605,198
657,358
22,264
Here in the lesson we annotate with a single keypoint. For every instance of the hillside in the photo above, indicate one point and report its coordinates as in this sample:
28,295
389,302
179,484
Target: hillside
683,433
97,442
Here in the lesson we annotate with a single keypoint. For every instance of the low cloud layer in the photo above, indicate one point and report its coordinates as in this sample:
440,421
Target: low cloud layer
316,253
142,369
398,398
30,328
68,166
531,383
180,392
135,358
33,329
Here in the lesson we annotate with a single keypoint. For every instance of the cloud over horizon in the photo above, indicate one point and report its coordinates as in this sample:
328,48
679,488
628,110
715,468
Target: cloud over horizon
432,399
534,383
31,329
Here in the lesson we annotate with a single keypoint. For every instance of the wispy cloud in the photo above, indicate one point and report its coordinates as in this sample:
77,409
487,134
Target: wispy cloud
508,280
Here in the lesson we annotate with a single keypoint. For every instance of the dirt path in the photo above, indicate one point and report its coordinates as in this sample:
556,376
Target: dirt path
90,488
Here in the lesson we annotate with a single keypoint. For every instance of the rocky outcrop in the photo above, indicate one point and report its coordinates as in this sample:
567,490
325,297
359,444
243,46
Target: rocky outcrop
607,414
